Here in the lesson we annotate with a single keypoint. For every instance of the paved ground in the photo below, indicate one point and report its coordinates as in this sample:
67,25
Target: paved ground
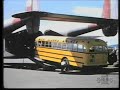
19,73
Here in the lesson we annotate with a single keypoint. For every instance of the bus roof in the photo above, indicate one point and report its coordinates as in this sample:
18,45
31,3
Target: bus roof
64,39
52,38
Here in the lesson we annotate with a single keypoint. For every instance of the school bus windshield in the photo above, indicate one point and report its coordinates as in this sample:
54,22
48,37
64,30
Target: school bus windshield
98,49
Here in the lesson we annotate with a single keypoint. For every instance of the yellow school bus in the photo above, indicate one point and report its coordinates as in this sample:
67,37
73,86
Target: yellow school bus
79,52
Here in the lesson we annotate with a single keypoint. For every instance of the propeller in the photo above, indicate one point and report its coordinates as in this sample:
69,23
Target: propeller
11,26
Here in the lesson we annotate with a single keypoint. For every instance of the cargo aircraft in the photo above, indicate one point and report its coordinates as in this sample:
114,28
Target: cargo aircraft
21,43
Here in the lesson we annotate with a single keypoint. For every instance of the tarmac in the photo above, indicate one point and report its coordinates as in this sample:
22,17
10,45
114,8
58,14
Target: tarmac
24,73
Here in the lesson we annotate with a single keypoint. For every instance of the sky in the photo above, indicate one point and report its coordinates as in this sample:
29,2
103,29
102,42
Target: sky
92,8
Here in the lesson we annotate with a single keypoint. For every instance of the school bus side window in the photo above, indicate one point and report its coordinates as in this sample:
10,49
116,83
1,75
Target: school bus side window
105,49
81,48
43,43
75,46
84,48
53,44
46,44
99,48
39,43
69,46
59,45
64,46
49,44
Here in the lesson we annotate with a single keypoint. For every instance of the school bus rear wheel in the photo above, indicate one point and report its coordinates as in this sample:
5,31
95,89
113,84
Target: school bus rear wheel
64,65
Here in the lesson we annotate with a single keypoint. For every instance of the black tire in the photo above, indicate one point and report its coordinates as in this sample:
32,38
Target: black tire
112,59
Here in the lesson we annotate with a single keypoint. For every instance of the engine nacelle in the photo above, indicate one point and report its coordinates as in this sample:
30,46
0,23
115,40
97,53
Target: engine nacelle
21,43
13,24
110,30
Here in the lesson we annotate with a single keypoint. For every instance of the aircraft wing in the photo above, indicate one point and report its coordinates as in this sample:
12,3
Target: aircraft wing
100,22
65,17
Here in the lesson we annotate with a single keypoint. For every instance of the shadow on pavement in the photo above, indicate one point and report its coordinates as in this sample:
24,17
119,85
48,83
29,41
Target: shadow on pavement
33,66
93,71
27,66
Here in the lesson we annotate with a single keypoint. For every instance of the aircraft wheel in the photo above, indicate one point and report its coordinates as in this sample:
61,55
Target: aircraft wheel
112,59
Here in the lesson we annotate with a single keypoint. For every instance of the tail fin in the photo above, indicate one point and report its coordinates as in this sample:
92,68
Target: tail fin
32,5
110,9
33,24
106,9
